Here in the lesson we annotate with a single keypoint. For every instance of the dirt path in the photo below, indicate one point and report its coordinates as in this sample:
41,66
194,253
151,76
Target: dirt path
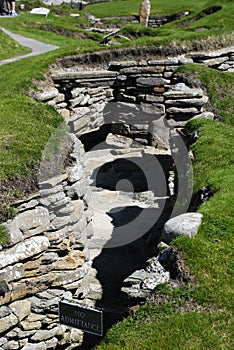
37,46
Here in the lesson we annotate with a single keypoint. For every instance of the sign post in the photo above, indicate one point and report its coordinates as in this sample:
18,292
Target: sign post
84,318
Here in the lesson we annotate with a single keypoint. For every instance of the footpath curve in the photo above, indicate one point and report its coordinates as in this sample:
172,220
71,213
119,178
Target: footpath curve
37,47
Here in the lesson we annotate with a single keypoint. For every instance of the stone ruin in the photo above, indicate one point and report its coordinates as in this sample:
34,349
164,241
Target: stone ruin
58,240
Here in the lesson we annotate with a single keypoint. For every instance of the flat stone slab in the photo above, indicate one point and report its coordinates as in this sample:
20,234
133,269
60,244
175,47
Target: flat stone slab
63,75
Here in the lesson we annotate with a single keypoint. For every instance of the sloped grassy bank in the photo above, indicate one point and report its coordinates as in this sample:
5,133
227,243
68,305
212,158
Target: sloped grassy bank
198,316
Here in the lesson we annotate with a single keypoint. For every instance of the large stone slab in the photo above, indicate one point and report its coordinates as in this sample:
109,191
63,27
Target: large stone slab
159,133
33,346
142,70
70,262
31,285
14,234
211,54
62,75
188,102
23,250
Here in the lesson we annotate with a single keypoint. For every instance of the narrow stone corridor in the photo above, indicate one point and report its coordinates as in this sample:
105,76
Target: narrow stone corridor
128,201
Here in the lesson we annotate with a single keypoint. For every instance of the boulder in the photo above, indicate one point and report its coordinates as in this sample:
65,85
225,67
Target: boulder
182,225
159,133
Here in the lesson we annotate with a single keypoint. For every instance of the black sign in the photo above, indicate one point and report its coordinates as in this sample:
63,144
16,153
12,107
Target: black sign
85,319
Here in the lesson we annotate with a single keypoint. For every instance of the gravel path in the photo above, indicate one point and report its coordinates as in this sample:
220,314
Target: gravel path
37,46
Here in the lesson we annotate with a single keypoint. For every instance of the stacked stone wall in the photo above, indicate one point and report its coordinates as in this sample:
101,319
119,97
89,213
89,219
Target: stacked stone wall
45,259
82,96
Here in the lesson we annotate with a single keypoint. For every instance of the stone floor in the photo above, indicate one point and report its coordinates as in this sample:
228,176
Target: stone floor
127,211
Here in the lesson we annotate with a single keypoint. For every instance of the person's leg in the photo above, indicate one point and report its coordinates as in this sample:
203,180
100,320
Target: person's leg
14,13
12,6
8,4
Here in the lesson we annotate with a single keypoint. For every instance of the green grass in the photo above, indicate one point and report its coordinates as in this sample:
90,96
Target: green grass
3,236
128,7
219,25
18,147
10,48
163,327
158,7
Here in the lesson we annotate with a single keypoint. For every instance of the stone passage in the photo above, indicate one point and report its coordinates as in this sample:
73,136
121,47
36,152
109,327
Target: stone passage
125,122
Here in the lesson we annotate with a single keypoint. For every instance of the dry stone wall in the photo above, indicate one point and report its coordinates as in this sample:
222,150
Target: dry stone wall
47,257
160,99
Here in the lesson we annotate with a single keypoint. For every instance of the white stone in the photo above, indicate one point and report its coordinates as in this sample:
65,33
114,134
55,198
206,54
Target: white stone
31,219
159,133
180,90
46,95
183,225
75,173
33,346
45,334
53,181
15,235
205,115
